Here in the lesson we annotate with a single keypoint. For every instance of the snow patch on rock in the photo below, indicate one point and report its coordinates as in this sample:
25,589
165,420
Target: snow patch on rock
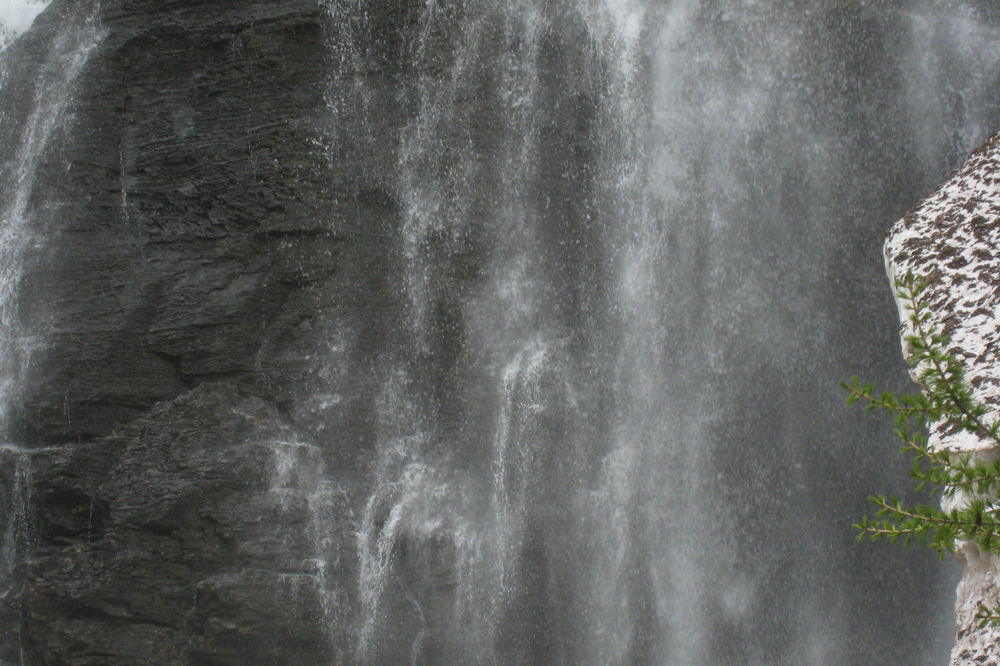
17,17
952,240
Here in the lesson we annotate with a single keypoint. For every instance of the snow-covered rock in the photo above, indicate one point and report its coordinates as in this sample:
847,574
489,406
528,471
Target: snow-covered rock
17,16
952,240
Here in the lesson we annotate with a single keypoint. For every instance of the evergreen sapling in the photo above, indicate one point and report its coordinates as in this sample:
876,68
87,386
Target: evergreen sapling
966,482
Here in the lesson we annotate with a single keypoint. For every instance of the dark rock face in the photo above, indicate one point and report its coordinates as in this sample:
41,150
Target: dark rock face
197,237
176,541
205,271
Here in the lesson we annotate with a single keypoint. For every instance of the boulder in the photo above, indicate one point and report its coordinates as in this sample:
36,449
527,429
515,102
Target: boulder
951,240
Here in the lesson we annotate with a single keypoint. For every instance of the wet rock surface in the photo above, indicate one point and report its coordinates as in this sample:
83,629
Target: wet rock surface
149,548
204,287
190,230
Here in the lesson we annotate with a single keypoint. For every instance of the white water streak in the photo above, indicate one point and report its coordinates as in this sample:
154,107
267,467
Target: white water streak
69,55
300,474
509,320
16,467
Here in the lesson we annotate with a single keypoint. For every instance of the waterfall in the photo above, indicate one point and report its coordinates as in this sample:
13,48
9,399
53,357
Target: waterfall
299,477
53,89
606,422
48,121
528,356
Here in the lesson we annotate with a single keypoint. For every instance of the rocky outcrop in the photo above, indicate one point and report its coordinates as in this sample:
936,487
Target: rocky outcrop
202,286
191,232
951,240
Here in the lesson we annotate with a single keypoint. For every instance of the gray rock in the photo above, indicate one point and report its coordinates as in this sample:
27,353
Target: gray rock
204,269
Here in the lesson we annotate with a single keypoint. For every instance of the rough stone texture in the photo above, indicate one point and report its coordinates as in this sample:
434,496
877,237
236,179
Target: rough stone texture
207,293
978,587
203,290
199,237
149,548
951,240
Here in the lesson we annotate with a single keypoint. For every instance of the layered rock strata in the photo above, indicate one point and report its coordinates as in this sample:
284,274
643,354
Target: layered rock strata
951,239
202,289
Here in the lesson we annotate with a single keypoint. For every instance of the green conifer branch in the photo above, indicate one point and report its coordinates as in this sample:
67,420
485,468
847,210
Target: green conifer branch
988,617
949,402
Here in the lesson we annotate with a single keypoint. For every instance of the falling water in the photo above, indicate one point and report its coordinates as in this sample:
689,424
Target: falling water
30,145
69,52
300,477
637,247
633,237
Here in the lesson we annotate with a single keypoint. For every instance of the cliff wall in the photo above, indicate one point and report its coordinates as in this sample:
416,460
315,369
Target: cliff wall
200,269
